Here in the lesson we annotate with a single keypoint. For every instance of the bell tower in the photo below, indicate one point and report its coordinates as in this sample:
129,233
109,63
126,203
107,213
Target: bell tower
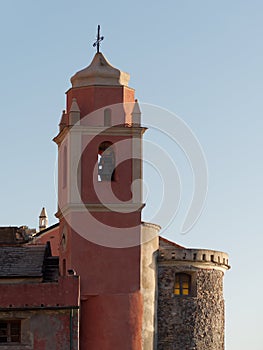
100,203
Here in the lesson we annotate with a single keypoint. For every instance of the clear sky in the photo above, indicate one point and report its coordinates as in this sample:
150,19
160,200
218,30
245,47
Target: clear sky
199,59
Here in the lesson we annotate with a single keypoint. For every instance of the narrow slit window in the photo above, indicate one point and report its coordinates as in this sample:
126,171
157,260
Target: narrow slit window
64,267
182,284
106,162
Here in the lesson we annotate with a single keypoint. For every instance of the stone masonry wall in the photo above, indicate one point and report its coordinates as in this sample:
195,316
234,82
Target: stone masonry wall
193,322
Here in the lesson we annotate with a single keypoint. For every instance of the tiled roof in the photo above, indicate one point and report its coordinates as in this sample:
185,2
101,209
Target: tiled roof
40,233
166,243
22,261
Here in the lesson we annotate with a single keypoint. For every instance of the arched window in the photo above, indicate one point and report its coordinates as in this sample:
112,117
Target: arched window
65,167
106,162
107,117
182,284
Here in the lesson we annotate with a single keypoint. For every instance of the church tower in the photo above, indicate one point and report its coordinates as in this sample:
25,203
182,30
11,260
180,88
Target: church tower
43,220
137,291
100,204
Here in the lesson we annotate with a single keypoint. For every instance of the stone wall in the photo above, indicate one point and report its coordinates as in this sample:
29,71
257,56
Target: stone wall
194,322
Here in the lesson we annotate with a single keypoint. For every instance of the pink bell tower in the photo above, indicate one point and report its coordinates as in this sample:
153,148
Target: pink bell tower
100,204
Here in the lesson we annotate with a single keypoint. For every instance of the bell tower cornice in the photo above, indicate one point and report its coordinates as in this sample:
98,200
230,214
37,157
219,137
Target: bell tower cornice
93,130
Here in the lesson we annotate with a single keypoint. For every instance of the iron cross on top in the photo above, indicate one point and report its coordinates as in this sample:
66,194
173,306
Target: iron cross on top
98,41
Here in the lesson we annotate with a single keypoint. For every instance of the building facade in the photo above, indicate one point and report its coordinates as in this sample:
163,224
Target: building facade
101,278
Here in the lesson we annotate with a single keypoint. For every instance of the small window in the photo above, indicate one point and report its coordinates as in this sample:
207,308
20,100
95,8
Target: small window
182,284
64,267
10,331
106,162
107,117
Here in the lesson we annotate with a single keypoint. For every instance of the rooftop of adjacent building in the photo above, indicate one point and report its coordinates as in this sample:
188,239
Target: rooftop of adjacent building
11,235
19,258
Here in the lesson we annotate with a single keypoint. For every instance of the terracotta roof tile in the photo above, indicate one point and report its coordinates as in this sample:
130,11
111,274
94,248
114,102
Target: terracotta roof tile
165,242
22,261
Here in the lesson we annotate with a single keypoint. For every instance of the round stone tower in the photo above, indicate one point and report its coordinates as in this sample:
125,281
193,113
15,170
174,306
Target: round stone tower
190,298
